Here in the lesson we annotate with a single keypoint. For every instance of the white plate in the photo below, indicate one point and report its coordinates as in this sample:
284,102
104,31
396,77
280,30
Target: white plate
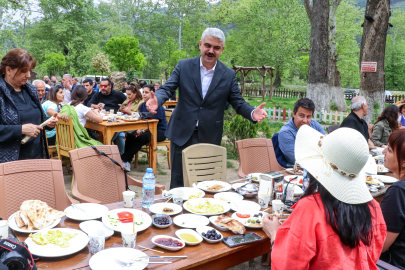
94,225
245,206
225,205
166,247
288,177
235,186
96,210
105,259
189,191
201,229
387,179
244,220
13,225
147,220
190,221
219,227
77,243
206,184
382,169
257,176
157,208
228,196
298,191
192,232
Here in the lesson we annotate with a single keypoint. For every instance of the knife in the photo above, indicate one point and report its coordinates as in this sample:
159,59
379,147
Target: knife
185,256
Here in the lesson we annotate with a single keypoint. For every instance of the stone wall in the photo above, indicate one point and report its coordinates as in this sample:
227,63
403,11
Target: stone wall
118,78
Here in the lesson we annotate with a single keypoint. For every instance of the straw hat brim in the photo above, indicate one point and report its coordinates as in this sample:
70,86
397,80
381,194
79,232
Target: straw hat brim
308,156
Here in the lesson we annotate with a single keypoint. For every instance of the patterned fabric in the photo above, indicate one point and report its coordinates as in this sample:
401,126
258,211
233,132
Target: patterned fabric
9,151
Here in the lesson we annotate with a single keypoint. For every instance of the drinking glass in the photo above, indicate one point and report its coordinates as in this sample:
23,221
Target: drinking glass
128,235
97,241
178,197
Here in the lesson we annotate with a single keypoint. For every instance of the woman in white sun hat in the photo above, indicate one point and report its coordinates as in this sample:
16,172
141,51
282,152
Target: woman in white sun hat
337,224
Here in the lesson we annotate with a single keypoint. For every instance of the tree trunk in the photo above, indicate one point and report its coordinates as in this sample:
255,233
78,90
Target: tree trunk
277,80
335,84
372,84
318,84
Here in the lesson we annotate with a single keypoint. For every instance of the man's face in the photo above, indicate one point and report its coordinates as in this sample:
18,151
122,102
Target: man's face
40,89
302,117
89,88
157,86
365,108
46,78
105,89
54,79
66,82
211,48
74,81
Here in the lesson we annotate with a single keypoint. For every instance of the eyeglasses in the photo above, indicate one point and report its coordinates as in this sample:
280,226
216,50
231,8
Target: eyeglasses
103,86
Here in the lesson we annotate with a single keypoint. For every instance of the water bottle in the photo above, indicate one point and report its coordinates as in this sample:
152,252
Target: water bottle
148,188
305,180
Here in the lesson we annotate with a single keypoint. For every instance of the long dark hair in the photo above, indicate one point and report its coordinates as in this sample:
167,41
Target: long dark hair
52,93
391,115
134,89
397,143
352,222
79,95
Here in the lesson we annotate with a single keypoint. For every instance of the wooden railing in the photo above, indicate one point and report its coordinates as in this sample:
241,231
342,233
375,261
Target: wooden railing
254,92
332,117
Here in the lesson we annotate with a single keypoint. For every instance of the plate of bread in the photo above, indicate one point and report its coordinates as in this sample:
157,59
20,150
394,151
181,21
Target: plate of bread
33,216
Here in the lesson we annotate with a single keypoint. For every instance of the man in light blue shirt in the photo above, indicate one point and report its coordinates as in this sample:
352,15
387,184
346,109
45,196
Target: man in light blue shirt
302,115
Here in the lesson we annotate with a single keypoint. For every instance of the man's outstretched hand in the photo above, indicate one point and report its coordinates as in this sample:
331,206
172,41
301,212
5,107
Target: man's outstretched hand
259,114
152,103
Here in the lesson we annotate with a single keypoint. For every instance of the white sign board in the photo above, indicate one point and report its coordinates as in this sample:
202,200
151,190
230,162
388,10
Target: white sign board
369,66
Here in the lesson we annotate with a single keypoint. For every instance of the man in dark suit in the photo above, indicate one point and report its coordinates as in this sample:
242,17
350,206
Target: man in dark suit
205,86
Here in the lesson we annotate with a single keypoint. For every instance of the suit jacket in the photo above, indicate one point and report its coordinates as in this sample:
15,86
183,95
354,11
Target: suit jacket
192,107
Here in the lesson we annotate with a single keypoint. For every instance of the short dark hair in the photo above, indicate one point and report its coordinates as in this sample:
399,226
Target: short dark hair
305,103
150,86
87,80
17,58
46,81
142,84
106,79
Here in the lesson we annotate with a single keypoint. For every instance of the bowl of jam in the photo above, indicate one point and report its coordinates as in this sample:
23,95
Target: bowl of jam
168,242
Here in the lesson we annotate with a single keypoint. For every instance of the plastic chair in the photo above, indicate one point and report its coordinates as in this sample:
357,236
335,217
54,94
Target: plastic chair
65,139
97,178
256,156
203,162
330,129
33,179
147,149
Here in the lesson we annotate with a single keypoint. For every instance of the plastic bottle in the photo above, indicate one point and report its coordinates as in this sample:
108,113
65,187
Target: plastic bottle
148,188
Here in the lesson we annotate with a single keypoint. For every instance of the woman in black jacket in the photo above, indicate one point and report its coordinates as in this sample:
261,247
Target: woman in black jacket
20,110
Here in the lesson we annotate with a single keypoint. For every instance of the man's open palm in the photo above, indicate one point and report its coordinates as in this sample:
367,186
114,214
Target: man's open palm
152,103
259,114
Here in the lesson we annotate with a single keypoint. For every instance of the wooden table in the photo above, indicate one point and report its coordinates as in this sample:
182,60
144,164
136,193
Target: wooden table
203,256
170,103
108,129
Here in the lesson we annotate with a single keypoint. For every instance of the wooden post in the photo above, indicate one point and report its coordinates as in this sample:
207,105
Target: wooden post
289,114
274,113
336,117
284,114
279,113
269,113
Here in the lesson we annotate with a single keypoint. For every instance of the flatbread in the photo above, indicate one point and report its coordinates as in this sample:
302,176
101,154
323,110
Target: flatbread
18,219
40,214
232,224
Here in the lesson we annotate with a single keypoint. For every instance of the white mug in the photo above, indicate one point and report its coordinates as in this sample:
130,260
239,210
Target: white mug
277,206
97,241
128,235
264,199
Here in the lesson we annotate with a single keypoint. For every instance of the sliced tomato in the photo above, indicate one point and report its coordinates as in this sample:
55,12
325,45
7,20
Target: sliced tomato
242,215
301,181
125,214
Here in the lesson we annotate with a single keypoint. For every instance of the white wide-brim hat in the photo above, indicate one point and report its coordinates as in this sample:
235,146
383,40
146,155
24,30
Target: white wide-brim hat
336,160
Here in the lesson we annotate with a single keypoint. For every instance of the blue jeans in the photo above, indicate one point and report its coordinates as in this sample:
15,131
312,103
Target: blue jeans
119,138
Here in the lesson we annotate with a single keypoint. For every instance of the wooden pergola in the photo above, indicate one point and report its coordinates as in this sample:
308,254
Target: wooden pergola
263,70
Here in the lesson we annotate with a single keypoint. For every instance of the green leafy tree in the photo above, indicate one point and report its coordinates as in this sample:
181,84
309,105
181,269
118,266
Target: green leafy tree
54,62
101,63
125,53
173,55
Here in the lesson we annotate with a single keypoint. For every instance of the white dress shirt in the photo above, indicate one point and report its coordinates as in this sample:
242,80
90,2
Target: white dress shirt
68,97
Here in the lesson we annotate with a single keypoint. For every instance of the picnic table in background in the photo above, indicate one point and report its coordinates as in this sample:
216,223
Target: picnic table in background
170,103
107,130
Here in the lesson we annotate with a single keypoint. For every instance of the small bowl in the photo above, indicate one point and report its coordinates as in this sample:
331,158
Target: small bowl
204,229
199,237
161,215
218,227
166,247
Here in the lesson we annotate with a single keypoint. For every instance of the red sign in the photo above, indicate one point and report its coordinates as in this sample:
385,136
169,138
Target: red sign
368,66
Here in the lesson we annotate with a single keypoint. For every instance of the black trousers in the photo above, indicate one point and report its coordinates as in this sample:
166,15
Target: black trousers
133,145
52,140
177,160
92,133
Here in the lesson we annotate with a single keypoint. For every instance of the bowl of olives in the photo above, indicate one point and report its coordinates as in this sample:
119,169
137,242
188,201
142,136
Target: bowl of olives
210,234
161,220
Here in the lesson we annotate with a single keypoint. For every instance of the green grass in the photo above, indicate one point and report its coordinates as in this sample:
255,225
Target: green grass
287,103
143,161
229,164
160,172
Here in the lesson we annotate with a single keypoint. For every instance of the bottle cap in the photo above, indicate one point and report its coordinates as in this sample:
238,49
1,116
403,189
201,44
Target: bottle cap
149,170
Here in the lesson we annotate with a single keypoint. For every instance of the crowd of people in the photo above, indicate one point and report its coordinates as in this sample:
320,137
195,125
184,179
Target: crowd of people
335,225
